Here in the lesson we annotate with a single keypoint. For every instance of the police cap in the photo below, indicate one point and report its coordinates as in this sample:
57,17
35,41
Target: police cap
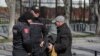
35,9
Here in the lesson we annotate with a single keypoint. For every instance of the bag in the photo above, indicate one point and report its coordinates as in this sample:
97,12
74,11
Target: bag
53,52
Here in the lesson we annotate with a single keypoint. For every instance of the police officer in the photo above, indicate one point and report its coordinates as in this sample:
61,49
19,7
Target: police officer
38,34
21,35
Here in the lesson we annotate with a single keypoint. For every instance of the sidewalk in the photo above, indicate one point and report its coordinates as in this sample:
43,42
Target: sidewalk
6,49
87,41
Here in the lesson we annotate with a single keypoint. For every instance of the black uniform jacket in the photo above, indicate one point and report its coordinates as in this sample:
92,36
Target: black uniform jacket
64,41
21,36
38,33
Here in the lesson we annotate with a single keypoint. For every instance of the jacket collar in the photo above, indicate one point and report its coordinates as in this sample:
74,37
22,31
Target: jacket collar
60,27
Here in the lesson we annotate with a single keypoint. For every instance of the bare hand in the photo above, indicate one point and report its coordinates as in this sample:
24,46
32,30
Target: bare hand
29,54
41,44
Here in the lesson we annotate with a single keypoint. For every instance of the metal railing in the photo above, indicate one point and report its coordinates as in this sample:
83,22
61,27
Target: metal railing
83,27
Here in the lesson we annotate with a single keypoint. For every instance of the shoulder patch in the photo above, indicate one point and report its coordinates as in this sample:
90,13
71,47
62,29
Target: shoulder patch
26,30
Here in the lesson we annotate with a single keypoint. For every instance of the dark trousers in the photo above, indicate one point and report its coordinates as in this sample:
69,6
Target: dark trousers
38,51
19,53
39,54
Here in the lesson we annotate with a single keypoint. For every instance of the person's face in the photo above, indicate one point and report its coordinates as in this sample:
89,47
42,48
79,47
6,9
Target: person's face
58,24
35,14
29,21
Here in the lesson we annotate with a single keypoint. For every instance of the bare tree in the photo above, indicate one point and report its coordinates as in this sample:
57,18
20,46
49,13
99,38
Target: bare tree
97,12
67,10
11,7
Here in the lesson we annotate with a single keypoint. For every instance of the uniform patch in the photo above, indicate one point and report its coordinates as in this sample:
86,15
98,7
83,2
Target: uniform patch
26,30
